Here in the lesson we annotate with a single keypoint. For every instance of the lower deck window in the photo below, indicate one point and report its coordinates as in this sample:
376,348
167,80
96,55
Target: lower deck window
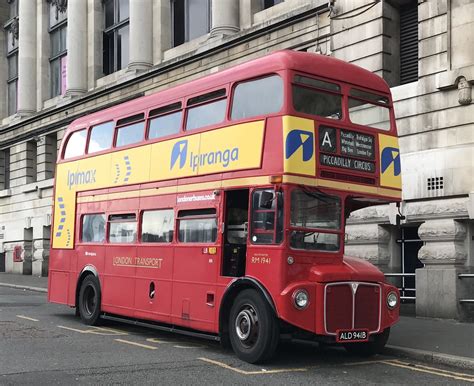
123,228
318,217
93,228
157,226
314,241
197,226
267,217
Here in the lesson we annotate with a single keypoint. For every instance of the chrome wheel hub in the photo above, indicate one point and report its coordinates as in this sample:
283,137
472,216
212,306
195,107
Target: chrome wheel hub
246,325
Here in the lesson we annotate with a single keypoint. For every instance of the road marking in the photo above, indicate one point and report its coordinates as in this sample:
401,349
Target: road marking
27,318
107,331
434,368
363,363
176,344
194,346
431,370
73,329
159,341
243,372
97,331
137,344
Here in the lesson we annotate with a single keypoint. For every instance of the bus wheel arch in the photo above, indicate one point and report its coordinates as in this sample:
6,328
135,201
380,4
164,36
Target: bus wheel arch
235,288
88,291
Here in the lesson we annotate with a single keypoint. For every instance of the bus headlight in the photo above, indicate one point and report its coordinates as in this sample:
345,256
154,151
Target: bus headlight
301,299
392,300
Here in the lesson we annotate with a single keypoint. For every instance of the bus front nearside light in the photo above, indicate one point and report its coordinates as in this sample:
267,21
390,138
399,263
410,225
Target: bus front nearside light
392,300
301,299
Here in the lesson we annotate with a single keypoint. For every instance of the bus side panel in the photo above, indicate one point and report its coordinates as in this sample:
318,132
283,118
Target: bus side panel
194,287
118,280
58,279
91,255
264,262
153,281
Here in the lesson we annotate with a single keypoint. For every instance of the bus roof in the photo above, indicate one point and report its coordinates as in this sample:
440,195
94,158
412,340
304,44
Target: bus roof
320,65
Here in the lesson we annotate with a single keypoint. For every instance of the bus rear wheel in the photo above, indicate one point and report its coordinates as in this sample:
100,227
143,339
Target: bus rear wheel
369,348
89,300
253,328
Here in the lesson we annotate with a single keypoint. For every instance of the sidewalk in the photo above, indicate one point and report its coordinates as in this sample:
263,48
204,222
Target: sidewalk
442,341
33,283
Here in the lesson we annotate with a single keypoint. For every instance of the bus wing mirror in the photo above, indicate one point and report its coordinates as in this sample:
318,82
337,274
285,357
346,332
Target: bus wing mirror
266,199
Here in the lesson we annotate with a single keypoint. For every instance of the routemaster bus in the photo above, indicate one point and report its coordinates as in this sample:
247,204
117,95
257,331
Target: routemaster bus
218,207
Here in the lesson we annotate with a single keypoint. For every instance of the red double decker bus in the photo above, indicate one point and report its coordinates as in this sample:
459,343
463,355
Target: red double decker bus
218,207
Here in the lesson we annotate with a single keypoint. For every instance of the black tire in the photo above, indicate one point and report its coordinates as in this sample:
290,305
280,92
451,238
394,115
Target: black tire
367,349
225,341
253,328
89,300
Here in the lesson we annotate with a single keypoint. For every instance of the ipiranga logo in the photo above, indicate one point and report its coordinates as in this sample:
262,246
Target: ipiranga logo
179,155
299,139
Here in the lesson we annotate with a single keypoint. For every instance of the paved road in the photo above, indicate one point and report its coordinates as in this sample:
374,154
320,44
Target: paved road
43,343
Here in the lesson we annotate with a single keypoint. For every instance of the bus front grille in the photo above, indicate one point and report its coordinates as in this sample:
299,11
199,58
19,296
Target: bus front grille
352,305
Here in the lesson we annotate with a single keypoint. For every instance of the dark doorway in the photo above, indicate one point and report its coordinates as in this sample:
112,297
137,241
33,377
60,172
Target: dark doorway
235,232
410,244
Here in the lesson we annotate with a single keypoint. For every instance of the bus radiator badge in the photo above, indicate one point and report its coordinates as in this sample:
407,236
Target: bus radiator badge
354,287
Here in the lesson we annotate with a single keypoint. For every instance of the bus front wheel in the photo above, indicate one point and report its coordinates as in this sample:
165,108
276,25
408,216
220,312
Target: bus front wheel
253,327
89,300
369,348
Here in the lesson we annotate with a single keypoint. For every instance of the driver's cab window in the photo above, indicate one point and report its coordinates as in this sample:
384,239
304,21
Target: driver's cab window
267,217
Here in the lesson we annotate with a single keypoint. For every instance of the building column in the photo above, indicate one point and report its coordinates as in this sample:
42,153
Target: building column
224,17
27,59
162,34
370,242
43,86
41,245
444,255
76,47
95,25
141,35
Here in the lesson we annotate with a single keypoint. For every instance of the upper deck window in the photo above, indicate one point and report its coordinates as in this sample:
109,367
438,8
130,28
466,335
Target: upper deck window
167,122
76,144
369,109
131,133
101,137
257,97
206,114
317,97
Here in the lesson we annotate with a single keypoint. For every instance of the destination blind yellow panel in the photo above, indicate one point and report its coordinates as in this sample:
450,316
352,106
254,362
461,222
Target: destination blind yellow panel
299,146
390,165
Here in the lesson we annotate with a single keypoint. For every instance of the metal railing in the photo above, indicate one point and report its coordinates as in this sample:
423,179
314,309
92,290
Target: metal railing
466,276
403,289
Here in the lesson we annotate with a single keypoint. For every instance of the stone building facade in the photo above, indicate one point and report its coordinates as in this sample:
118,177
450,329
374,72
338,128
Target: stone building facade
63,59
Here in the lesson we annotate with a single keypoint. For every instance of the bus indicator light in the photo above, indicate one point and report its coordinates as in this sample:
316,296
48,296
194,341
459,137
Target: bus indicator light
276,179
